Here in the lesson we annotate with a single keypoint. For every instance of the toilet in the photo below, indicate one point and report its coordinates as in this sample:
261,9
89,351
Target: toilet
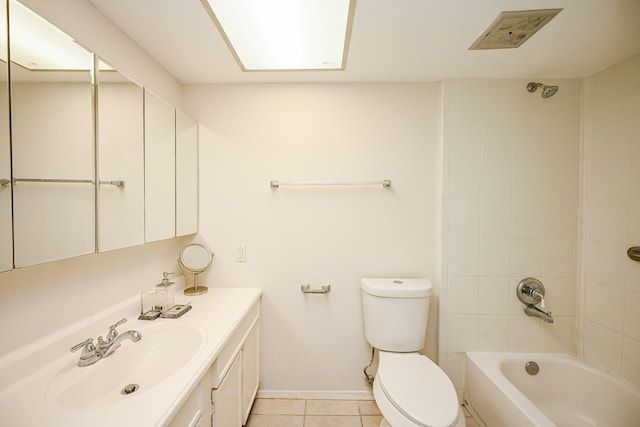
409,389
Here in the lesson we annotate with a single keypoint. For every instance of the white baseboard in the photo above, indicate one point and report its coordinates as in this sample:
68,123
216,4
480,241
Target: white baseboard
312,394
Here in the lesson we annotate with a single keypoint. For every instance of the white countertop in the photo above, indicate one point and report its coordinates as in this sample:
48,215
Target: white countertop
26,373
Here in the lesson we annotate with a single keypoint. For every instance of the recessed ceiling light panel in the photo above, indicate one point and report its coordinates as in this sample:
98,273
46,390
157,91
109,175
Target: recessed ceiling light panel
285,34
511,29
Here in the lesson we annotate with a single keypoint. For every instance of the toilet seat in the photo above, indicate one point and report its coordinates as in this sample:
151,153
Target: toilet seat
418,389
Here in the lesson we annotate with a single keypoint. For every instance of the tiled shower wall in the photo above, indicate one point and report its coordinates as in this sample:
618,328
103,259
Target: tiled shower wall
611,322
510,211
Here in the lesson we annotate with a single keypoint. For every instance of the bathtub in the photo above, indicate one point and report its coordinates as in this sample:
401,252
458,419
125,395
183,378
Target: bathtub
566,392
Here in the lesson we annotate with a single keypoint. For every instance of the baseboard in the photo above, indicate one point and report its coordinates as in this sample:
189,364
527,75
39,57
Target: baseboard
313,394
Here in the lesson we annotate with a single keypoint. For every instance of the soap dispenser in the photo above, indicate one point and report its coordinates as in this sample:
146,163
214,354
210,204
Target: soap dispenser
166,292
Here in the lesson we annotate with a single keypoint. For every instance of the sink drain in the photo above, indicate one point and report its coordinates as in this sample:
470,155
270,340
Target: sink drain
130,388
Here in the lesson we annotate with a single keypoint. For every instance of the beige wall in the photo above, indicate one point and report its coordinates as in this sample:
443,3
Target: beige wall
252,134
510,211
611,293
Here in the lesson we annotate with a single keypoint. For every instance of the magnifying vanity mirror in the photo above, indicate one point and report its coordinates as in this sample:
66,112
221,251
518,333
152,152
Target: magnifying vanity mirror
195,259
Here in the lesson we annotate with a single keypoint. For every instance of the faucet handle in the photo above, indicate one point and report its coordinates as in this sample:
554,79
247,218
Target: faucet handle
86,344
118,323
112,329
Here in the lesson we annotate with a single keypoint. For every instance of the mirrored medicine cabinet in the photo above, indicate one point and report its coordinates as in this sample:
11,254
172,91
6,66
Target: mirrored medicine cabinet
90,161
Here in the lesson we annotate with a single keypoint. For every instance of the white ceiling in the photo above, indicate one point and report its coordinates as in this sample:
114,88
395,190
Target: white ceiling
398,40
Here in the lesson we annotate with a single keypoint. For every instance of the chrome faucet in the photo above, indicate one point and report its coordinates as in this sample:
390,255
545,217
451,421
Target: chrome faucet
532,310
91,352
530,291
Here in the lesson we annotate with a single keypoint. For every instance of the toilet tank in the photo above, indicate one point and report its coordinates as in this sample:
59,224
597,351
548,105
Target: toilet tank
395,313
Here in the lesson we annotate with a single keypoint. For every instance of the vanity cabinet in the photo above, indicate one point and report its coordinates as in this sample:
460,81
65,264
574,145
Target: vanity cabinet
235,375
224,397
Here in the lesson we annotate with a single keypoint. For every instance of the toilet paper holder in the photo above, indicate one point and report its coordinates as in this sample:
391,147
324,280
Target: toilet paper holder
306,289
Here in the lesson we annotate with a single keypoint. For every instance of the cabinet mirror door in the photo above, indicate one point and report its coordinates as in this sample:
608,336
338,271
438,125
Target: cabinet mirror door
6,230
159,168
52,141
120,160
186,175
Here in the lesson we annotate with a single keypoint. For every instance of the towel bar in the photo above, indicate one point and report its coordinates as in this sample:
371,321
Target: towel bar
306,289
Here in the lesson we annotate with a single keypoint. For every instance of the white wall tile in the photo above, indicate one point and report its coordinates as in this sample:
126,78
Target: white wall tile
464,217
605,263
632,276
495,219
561,137
495,257
558,337
497,139
495,181
603,347
526,219
465,96
605,305
524,334
526,257
630,370
528,157
559,219
464,257
607,220
559,258
560,181
493,295
609,178
632,315
463,332
633,226
560,295
493,333
497,96
463,295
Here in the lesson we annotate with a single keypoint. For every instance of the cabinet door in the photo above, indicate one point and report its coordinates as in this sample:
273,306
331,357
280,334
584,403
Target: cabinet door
191,413
121,158
225,399
159,169
186,175
250,370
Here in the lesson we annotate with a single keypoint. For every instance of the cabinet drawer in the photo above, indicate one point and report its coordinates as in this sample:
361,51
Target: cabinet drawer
233,346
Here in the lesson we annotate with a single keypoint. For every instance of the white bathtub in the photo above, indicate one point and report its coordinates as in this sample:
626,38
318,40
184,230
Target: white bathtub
567,392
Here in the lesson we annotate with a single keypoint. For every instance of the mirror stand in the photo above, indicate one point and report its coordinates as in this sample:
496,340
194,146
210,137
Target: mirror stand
195,289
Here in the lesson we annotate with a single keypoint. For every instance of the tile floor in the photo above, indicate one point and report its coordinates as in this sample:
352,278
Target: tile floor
317,413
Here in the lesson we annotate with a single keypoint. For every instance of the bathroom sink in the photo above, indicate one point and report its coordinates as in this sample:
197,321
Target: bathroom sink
130,371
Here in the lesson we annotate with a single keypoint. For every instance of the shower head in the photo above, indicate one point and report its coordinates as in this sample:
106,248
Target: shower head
547,91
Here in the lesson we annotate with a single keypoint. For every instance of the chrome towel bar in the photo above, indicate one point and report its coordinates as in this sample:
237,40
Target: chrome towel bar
634,253
276,184
118,183
306,289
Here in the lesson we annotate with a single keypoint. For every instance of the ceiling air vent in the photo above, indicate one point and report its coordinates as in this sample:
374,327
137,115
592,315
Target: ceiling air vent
511,29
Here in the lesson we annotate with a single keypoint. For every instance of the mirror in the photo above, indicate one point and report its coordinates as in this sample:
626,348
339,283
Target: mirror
6,227
159,168
121,183
186,175
52,145
195,259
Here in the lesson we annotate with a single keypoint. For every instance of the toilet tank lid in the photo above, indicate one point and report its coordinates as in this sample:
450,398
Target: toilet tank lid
396,288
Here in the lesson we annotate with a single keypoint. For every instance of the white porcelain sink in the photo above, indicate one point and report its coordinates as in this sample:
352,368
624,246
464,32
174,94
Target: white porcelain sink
163,350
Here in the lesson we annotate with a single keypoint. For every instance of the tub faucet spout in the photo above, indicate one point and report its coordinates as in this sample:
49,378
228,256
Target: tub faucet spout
532,310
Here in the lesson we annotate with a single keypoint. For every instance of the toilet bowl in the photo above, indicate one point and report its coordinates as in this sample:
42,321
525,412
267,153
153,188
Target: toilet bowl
412,391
